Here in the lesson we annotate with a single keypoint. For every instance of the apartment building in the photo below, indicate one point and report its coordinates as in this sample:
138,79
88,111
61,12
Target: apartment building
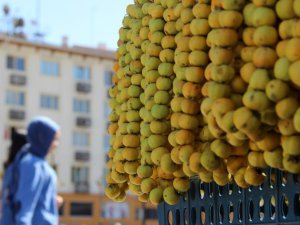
70,85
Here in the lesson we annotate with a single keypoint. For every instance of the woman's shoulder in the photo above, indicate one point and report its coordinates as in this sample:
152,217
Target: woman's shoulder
31,161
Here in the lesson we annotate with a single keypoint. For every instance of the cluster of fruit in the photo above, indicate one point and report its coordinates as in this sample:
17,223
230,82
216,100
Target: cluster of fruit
204,88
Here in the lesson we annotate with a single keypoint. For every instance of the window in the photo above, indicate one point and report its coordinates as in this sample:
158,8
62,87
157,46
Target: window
107,110
16,63
80,174
108,77
15,98
82,73
150,213
81,139
80,179
106,143
81,106
49,102
113,210
49,68
81,209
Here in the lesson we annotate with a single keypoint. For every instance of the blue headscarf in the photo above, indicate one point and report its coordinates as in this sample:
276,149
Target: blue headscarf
40,134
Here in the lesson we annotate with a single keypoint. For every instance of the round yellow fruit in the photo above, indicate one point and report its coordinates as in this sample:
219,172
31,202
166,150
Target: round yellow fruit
230,19
200,27
184,137
170,196
220,56
112,191
156,195
209,160
167,165
191,90
277,90
221,148
287,127
181,184
188,122
189,106
264,57
294,73
269,142
194,74
222,73
286,107
291,51
263,16
247,71
201,10
222,37
290,145
130,167
284,9
256,100
185,152
281,69
253,177
274,158
147,185
265,35
239,178
197,43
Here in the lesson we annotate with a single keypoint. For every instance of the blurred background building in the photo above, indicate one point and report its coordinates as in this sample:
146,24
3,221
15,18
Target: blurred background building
69,85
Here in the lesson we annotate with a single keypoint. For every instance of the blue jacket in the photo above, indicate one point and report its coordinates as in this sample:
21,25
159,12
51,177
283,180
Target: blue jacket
36,190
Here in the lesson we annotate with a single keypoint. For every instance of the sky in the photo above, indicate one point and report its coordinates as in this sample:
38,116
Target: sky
85,22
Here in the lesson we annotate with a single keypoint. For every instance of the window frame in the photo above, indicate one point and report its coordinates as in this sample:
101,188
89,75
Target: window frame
15,98
49,68
49,101
81,105
81,139
15,63
82,73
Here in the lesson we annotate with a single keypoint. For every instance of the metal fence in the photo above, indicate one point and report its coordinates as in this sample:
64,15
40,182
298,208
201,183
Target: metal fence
276,202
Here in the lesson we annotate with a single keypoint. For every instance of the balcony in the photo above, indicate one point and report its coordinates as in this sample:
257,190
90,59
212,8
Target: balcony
82,156
16,114
83,122
83,87
81,187
17,80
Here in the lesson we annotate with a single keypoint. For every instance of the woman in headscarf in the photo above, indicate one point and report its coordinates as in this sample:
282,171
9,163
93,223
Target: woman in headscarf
34,198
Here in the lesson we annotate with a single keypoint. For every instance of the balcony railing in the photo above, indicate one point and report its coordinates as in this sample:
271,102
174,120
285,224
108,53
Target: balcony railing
81,187
16,114
83,87
82,156
17,80
83,122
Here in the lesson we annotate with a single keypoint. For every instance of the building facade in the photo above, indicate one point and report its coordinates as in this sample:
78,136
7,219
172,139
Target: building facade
69,85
